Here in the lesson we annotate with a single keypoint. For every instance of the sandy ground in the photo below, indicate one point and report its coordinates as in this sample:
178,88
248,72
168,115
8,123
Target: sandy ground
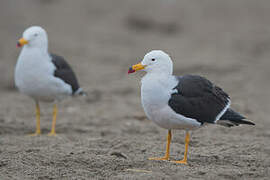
106,135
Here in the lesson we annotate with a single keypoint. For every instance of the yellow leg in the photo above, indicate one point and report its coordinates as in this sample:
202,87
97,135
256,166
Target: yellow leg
167,155
184,161
55,111
38,132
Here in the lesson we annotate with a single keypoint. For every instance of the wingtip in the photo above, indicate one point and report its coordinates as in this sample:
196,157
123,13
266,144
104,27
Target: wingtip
80,92
245,121
251,123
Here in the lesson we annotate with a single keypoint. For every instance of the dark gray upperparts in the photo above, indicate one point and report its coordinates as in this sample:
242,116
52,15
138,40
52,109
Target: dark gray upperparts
198,98
64,72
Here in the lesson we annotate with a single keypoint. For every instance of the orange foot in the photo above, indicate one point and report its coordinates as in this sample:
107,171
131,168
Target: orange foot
160,159
52,134
35,134
180,162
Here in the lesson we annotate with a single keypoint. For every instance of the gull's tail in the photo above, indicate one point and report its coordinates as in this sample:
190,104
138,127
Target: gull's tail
80,92
232,118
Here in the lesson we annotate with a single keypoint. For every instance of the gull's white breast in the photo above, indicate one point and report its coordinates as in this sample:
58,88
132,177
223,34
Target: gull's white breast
34,76
156,91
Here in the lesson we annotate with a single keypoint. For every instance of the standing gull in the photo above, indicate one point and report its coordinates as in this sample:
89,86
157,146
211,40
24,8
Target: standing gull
41,75
181,102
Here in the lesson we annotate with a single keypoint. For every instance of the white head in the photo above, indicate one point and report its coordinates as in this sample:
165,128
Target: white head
34,36
155,61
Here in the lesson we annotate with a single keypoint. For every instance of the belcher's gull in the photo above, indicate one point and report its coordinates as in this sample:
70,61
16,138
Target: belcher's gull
181,102
41,75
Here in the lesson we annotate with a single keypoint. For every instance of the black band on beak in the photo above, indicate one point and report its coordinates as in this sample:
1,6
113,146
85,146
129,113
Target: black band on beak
19,44
131,70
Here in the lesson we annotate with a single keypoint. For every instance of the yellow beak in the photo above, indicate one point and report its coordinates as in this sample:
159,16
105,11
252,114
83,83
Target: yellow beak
21,42
136,67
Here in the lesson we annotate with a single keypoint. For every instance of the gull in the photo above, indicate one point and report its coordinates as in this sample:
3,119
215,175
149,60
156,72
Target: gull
43,76
181,102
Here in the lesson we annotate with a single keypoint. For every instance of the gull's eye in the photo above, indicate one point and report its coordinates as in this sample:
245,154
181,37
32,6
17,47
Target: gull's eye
153,59
35,34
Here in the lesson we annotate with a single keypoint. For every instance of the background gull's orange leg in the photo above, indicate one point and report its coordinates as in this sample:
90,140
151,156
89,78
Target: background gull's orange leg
55,111
184,161
38,132
167,155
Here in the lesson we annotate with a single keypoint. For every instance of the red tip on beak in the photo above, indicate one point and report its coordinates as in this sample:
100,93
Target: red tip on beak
130,70
18,45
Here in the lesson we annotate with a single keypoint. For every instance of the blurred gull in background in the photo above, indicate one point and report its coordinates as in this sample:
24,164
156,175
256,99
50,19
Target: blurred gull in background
43,76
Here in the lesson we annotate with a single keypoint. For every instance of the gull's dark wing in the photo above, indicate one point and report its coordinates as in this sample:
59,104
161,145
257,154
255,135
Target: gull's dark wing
198,98
64,72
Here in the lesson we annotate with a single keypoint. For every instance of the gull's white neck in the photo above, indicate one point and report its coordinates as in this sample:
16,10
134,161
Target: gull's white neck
156,89
33,61
27,49
33,56
154,78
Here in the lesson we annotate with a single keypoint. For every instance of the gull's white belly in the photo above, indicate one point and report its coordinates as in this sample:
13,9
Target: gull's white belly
41,87
166,118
